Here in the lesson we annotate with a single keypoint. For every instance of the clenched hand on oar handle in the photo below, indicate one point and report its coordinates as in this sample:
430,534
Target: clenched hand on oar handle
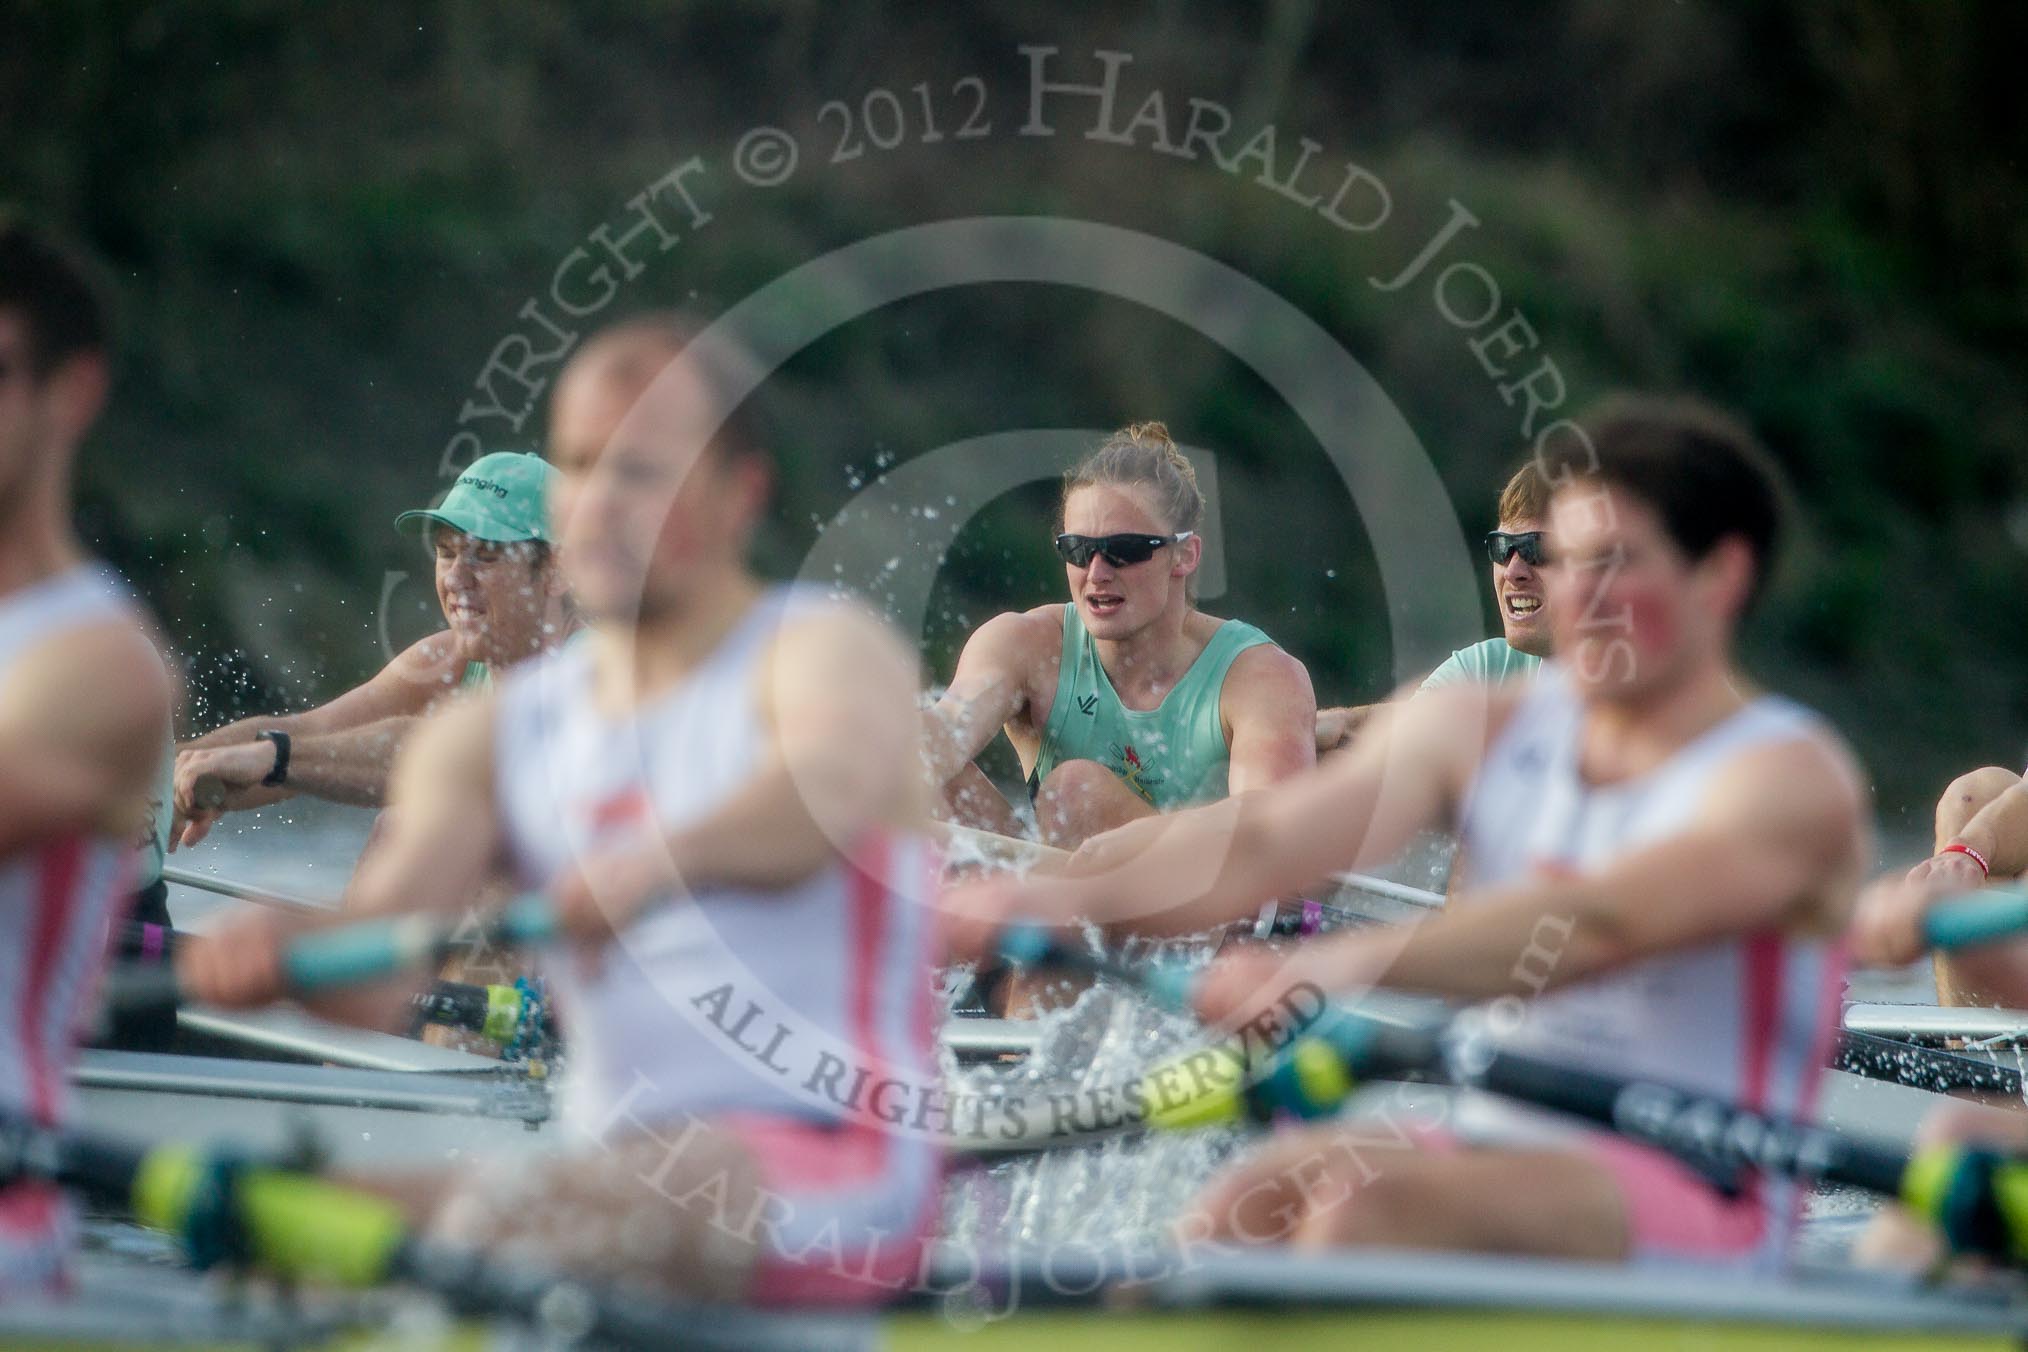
319,961
196,808
209,793
515,1016
1937,906
1972,919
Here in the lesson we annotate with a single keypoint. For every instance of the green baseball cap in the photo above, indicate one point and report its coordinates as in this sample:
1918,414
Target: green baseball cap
500,497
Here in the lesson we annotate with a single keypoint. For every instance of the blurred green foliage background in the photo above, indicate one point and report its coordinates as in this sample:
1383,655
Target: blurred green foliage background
322,218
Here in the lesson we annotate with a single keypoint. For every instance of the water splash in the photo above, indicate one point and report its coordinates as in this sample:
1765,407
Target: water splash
1124,1189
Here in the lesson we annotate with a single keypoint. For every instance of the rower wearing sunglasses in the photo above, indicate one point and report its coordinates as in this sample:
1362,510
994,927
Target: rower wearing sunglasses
1127,700
1518,557
1662,862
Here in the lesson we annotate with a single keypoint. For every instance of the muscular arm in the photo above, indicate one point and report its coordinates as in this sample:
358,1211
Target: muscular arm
341,750
1990,973
1270,714
244,729
441,835
838,696
1999,831
1779,845
987,691
420,675
82,720
1217,863
353,766
439,842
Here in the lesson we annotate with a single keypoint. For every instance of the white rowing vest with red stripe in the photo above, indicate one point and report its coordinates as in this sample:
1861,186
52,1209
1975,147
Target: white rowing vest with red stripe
57,902
1748,1020
813,1001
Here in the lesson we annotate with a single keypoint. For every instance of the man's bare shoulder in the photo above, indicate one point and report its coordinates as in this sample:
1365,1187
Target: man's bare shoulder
1039,627
422,673
1266,681
840,631
106,660
1812,775
433,654
1269,667
1027,642
103,682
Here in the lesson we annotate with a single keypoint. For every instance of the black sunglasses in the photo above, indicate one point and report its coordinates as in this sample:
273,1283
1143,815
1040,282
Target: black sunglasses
1120,551
1500,546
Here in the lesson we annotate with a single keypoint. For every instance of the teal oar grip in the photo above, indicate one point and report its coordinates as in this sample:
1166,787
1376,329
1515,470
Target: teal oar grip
529,919
1976,918
374,949
357,953
1169,986
1028,945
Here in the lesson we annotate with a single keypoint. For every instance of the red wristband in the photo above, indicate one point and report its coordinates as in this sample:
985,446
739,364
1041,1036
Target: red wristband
1959,847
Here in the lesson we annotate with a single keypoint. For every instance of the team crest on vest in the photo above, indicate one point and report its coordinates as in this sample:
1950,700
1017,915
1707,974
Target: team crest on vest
1128,766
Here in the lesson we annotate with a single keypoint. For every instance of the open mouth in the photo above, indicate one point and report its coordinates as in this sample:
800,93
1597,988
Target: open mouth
1103,603
1519,606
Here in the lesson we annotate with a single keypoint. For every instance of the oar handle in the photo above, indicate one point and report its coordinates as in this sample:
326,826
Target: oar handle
1031,945
146,941
209,793
373,949
354,954
1976,918
136,991
332,959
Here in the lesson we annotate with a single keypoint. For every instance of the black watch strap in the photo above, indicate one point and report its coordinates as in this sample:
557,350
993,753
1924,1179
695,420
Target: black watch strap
280,774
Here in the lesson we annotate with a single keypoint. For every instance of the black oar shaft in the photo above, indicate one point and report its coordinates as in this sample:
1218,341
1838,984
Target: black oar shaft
1718,1138
107,1169
1977,1198
454,1004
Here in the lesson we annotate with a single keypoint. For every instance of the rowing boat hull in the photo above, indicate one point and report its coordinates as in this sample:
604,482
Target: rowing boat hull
1223,1331
358,1118
1373,1302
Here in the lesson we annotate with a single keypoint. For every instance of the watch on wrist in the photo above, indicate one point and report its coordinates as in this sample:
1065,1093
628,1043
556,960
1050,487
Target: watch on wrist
280,773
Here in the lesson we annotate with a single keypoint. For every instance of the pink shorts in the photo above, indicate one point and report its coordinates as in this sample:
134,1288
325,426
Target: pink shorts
850,1208
38,1233
1671,1211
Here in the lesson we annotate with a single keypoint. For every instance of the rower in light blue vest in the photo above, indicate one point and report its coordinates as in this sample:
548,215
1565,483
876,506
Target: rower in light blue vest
1128,700
1519,555
1171,755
